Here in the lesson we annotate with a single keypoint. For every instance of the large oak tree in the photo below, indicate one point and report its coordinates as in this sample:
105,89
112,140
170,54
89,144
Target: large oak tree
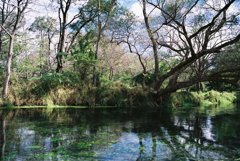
189,37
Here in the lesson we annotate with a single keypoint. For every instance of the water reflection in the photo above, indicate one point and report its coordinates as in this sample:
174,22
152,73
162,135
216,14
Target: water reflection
117,134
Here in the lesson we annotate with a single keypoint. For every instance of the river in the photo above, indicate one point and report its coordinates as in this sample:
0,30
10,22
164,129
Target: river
119,134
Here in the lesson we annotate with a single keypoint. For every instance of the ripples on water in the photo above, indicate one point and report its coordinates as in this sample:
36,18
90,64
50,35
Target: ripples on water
118,134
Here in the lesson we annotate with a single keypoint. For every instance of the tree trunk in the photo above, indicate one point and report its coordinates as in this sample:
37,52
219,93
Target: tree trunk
8,68
110,73
144,71
59,54
41,54
49,53
153,41
199,87
1,35
2,137
95,74
61,41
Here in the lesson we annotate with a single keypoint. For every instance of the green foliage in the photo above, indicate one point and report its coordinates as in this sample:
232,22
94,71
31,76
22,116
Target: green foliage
53,80
227,61
114,94
148,78
74,85
91,12
125,78
26,68
176,8
215,98
206,99
64,54
120,95
183,99
7,104
238,97
82,56
43,24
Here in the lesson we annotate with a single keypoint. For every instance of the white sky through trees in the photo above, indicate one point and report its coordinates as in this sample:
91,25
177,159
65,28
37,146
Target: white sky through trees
49,9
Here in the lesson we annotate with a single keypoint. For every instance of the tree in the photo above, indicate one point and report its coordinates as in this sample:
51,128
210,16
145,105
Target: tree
6,14
154,45
110,56
104,12
225,65
127,30
86,16
82,57
46,27
63,11
19,8
188,44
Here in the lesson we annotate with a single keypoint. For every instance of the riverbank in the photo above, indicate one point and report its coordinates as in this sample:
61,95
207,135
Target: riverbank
115,95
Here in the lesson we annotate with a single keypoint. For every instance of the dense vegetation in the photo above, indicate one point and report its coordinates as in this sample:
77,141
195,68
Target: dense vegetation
99,52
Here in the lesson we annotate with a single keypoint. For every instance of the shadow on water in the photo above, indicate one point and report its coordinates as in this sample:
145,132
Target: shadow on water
117,134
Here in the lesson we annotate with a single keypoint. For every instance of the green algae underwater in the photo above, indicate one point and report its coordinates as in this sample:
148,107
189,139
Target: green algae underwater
119,134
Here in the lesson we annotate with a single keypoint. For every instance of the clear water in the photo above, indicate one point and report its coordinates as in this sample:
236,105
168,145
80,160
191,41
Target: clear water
118,134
